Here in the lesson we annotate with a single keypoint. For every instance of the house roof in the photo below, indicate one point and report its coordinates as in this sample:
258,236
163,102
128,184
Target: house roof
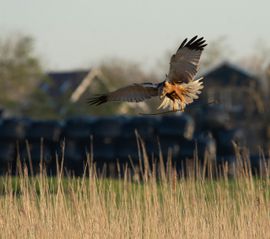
229,74
72,83
85,83
62,82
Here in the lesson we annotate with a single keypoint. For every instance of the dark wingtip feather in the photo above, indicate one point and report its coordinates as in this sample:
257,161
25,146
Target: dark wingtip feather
183,43
97,100
194,43
192,40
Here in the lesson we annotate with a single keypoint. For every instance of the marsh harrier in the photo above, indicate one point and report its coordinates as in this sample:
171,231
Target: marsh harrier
178,89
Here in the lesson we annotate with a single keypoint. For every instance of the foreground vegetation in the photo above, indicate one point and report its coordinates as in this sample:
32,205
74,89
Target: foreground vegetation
168,207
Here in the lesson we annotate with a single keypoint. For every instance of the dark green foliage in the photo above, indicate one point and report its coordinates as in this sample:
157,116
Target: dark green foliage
19,70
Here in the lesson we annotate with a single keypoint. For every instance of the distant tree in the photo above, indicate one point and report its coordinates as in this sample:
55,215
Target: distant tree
259,60
120,72
20,70
216,51
258,63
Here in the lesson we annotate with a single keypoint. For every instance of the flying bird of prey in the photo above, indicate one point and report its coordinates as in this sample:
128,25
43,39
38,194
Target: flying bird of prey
178,89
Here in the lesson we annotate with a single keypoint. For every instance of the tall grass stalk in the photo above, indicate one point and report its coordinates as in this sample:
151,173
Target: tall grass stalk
164,206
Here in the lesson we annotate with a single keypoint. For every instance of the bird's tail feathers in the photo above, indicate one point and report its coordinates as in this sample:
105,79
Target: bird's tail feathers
192,90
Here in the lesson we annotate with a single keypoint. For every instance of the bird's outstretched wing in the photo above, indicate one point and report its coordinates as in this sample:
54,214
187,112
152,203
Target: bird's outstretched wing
184,63
131,93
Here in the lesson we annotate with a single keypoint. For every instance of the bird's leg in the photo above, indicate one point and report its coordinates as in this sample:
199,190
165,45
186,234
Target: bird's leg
181,108
180,92
182,99
174,106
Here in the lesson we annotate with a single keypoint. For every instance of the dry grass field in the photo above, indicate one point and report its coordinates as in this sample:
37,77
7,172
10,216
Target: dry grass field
168,207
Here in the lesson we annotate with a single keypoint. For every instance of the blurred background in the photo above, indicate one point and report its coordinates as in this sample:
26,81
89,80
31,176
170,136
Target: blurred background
55,54
48,49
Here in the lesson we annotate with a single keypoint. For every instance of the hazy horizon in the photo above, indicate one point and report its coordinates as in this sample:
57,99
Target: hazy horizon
79,34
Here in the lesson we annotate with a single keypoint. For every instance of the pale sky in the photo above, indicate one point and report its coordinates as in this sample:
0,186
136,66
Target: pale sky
73,34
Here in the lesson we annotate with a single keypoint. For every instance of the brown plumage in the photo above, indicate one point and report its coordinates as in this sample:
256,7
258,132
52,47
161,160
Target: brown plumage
177,90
